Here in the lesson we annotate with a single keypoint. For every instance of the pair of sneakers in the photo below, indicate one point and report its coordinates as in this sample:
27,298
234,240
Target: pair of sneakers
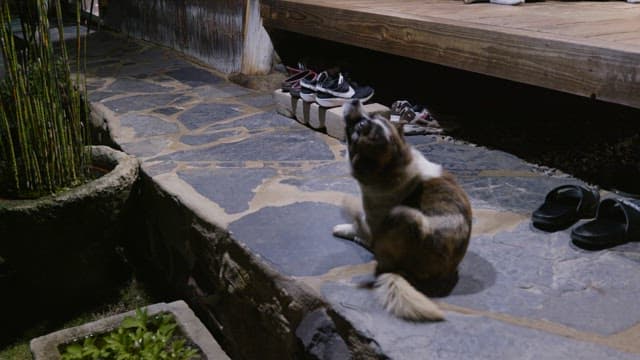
292,83
417,119
332,90
403,111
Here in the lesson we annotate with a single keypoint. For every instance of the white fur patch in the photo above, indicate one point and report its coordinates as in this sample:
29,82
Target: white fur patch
429,224
403,300
453,221
345,231
384,126
423,167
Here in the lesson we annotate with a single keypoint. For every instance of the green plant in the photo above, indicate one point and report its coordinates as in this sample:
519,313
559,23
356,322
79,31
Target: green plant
138,338
42,108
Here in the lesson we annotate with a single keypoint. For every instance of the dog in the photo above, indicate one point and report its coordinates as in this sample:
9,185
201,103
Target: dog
414,217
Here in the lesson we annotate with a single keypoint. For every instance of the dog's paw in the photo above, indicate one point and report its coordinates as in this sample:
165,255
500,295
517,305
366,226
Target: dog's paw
345,231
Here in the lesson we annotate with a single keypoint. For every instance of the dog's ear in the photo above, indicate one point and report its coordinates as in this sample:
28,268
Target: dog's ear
353,112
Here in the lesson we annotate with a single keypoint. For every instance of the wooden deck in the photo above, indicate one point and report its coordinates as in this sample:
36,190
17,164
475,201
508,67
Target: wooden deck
585,48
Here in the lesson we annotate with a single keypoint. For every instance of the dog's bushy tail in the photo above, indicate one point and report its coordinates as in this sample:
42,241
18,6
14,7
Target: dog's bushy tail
401,299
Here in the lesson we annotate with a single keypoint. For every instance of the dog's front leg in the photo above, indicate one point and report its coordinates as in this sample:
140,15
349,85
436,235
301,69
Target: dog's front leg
352,232
345,231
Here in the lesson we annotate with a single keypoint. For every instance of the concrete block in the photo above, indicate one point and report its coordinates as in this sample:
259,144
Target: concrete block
285,103
334,121
378,109
302,111
317,116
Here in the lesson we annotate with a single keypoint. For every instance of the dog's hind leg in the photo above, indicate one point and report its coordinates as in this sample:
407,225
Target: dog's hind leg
358,231
408,244
400,243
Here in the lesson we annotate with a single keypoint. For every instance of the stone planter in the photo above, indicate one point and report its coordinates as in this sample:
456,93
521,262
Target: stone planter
61,250
47,347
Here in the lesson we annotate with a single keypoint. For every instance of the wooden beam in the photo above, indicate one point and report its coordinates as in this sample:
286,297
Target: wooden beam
595,68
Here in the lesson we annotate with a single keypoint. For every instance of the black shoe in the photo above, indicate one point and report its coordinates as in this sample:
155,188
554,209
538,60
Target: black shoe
337,91
565,205
309,86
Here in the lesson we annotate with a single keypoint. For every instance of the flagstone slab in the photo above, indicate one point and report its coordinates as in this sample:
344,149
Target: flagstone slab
193,76
231,188
292,244
96,96
139,102
259,101
459,337
261,121
147,147
148,125
521,194
168,111
206,114
541,275
136,86
464,159
160,167
293,145
209,137
334,176
224,90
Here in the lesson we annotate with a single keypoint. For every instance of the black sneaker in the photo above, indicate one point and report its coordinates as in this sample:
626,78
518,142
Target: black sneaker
309,86
296,89
338,91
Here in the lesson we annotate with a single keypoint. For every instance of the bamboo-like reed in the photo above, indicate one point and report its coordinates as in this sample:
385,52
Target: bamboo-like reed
43,113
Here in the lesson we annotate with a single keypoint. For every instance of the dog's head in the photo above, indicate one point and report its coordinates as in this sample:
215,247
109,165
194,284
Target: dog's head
376,145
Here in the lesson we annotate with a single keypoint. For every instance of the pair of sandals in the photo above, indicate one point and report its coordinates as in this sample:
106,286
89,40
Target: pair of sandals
615,221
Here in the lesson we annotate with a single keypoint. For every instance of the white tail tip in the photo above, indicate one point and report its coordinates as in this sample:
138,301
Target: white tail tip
400,298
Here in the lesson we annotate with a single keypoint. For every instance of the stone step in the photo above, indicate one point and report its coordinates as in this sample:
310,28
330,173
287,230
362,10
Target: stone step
318,117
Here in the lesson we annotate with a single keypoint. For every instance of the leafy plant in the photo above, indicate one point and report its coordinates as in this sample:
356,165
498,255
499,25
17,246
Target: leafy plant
42,108
138,338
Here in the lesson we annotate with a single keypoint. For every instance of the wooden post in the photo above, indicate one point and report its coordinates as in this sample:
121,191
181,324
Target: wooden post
257,55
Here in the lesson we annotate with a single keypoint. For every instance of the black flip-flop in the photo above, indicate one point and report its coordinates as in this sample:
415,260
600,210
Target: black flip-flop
617,222
565,205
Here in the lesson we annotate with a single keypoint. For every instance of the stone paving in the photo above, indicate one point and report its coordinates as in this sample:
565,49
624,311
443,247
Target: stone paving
276,186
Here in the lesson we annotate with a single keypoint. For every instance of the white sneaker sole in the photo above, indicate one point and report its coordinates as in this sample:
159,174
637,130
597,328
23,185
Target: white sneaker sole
308,97
507,2
335,102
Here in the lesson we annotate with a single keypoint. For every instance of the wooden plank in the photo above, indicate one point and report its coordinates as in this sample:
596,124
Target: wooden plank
590,67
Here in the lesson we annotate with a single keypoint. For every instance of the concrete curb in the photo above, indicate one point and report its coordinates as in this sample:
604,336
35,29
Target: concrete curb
329,120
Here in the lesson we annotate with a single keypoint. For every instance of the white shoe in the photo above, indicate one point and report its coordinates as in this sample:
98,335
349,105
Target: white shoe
516,2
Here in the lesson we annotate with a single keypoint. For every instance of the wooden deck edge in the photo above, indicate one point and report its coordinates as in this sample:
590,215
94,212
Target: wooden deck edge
605,73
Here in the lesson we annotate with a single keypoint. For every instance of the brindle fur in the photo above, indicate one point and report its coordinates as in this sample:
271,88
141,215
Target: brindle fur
414,217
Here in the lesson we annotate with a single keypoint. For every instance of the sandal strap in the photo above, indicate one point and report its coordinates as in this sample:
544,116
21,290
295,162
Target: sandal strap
630,209
589,198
